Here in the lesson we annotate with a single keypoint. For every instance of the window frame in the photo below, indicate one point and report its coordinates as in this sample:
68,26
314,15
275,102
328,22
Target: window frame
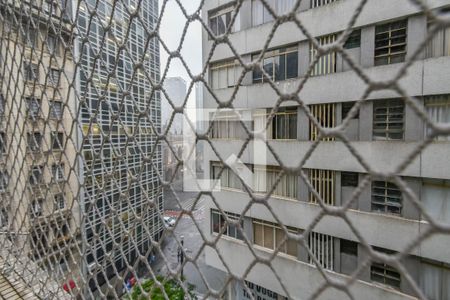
34,145
380,132
327,64
53,114
273,54
216,14
57,140
285,247
385,203
229,227
388,28
353,40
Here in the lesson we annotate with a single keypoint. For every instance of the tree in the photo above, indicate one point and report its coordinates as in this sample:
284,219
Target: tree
172,288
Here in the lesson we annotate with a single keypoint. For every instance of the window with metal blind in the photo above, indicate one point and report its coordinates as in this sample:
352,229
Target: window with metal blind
219,224
323,182
388,119
353,40
390,43
435,280
220,20
224,74
33,107
56,110
228,179
265,179
57,139
60,201
31,71
4,219
279,64
439,45
438,110
34,141
229,126
283,125
58,172
384,273
326,64
269,235
322,247
386,197
325,116
36,175
261,15
317,3
30,35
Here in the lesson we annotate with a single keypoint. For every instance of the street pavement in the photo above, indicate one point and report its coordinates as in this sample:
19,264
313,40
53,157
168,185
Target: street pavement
192,243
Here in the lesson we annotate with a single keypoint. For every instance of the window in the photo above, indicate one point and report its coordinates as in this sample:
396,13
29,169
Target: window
388,119
57,140
60,201
58,172
31,72
438,110
2,143
34,141
279,64
261,15
2,105
326,64
383,273
53,77
265,179
220,20
323,182
436,199
271,236
224,74
349,256
390,43
53,44
317,3
325,116
36,208
346,107
439,45
218,222
283,125
386,197
33,107
349,179
353,40
4,179
36,175
30,36
228,179
49,6
435,280
4,220
322,247
56,110
228,125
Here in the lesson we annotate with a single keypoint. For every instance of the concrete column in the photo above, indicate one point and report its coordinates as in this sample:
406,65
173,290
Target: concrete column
302,125
303,58
366,127
414,126
248,228
367,46
416,34
365,199
409,210
303,191
245,15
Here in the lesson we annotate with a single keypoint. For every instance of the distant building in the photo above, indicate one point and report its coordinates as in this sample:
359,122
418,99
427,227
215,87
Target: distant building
175,88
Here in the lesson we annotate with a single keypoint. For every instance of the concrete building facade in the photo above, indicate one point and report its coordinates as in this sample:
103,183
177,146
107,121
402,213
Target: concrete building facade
120,114
38,184
383,129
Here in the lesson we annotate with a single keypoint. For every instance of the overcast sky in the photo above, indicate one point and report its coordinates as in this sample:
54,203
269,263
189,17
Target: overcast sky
172,24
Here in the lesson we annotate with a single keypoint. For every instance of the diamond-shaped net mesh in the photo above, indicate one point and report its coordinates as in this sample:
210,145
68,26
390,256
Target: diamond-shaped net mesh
300,197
